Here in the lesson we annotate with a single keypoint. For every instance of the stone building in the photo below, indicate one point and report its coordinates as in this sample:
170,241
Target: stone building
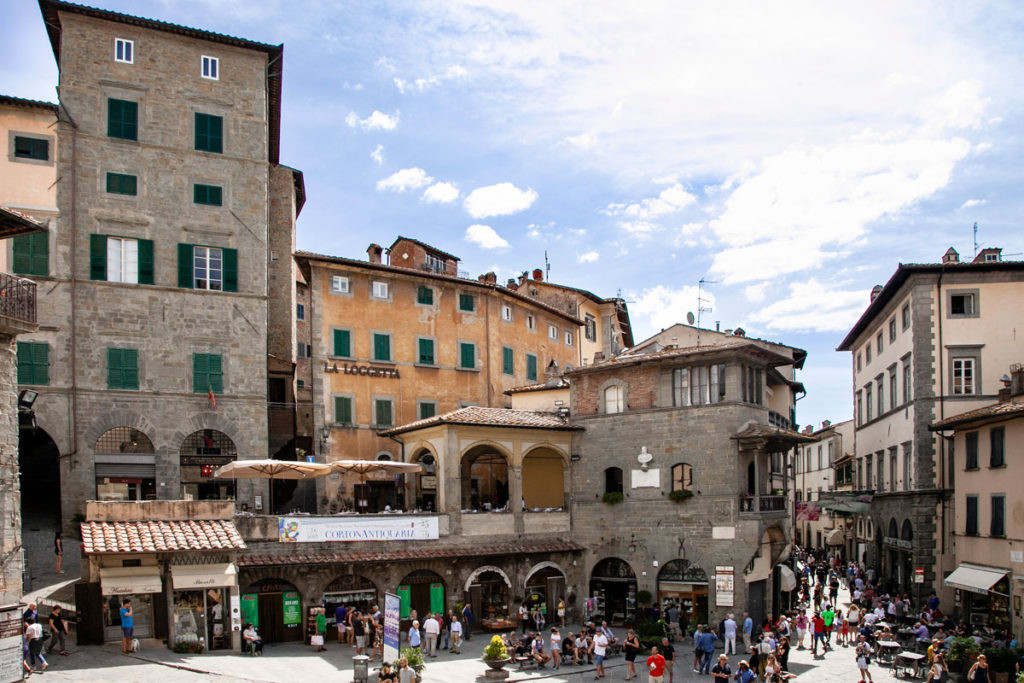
820,469
151,358
932,343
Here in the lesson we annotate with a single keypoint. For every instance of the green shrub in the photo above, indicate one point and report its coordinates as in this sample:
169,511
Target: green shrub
414,656
644,597
680,495
496,649
612,498
650,633
962,651
1000,659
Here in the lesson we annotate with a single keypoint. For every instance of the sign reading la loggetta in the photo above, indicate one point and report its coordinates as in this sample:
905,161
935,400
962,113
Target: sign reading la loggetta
365,370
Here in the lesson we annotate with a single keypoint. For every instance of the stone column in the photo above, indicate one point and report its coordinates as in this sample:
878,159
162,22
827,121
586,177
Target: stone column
515,496
10,493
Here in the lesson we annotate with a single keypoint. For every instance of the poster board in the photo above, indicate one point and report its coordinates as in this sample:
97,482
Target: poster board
392,609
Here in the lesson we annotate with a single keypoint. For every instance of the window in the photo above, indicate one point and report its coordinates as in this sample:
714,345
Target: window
122,368
381,346
751,384
997,526
379,289
31,148
819,457
860,408
124,50
868,397
33,363
614,399
31,254
971,450
117,259
906,381
425,348
531,322
343,413
699,385
210,268
908,466
507,360
467,303
682,477
209,133
341,343
880,457
467,355
210,195
893,395
858,362
878,343
300,384
210,68
552,333
971,516
424,295
892,468
892,330
808,455
963,376
531,367
436,263
121,183
867,470
383,412
506,313
590,327
304,350
122,119
613,480
425,409
997,439
963,304
880,386
867,353
207,373
300,311
340,284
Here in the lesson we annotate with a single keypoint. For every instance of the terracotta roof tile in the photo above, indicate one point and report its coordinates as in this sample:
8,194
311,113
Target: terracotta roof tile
478,415
1008,409
560,383
160,536
763,431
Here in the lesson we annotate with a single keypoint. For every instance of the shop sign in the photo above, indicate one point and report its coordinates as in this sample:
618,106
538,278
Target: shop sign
725,586
392,608
919,575
1017,556
319,530
292,609
236,613
250,609
897,543
365,370
200,460
10,643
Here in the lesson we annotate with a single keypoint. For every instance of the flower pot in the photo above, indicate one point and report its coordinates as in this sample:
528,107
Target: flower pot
497,664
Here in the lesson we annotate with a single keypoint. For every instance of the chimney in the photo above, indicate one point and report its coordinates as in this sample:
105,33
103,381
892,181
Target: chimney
511,284
488,278
825,424
1016,379
739,332
538,275
951,256
552,373
808,429
374,252
875,291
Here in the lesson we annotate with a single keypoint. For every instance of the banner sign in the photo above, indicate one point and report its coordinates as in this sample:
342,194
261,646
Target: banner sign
250,611
321,529
724,586
807,512
392,605
292,609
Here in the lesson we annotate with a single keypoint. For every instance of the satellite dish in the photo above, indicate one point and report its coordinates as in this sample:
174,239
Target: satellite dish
689,318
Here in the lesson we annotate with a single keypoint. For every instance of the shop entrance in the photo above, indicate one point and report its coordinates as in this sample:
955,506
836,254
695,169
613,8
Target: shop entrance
125,464
142,616
350,590
422,591
489,593
684,585
199,620
544,588
613,590
275,609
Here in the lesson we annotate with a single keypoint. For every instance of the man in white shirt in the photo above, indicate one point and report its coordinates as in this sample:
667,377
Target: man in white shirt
600,648
431,630
730,635
456,627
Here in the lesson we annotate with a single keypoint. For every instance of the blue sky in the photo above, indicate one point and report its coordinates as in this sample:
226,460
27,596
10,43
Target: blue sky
789,153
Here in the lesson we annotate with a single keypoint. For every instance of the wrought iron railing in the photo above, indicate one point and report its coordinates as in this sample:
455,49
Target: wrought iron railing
763,503
17,299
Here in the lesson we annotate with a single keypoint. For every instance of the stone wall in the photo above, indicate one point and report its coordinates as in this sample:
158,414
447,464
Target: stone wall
10,496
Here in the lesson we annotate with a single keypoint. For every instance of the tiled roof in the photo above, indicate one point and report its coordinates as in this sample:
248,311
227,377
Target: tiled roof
22,102
681,352
763,431
163,536
998,410
14,222
478,415
296,557
561,383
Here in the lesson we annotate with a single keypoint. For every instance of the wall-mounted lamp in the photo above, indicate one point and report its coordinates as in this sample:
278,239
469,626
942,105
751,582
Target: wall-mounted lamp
325,434
575,457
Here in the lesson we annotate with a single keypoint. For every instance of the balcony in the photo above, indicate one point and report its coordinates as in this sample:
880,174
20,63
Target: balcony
17,305
763,505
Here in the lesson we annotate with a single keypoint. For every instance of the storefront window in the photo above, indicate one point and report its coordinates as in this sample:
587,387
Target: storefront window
686,586
189,621
544,588
612,591
201,454
142,616
125,465
351,591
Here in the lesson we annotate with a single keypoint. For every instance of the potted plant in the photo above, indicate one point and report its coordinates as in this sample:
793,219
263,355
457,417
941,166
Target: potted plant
962,653
495,655
1002,661
680,495
414,656
612,498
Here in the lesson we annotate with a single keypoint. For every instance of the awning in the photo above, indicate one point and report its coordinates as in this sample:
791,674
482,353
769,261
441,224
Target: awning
836,537
184,577
130,580
787,579
974,578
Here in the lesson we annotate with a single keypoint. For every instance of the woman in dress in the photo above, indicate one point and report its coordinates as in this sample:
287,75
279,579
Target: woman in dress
556,648
631,646
980,673
782,652
58,550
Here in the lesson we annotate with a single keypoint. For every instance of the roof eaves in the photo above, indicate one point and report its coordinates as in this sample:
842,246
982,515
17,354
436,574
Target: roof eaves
30,104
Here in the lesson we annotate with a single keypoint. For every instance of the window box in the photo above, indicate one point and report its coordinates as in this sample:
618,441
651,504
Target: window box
612,498
680,495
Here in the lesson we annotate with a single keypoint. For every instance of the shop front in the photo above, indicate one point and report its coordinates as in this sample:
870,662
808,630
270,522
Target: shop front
141,585
124,465
898,556
612,592
983,595
488,590
422,591
201,604
351,590
544,588
274,607
684,585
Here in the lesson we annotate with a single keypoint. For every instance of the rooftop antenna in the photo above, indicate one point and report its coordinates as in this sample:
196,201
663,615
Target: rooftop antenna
701,308
547,266
975,239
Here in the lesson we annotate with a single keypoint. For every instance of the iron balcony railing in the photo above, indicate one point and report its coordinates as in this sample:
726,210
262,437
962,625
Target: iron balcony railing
763,503
17,300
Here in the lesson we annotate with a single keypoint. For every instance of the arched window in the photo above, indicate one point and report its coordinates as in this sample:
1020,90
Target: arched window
384,456
894,530
613,480
907,532
484,480
682,477
125,464
614,399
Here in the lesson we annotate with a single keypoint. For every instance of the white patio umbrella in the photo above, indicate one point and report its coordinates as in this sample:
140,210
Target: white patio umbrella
271,469
364,467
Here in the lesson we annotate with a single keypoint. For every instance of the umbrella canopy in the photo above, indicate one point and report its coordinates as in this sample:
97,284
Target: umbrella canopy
363,467
271,469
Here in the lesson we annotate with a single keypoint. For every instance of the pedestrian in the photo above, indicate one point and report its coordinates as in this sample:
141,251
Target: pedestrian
937,672
34,635
58,632
631,648
29,613
467,621
721,671
818,634
431,630
555,643
561,612
744,673
656,665
405,672
127,625
708,646
864,659
979,672
729,634
456,633
321,628
698,653
414,635
58,550
538,618
340,615
782,652
829,617
801,629
600,648
748,630
524,616
669,653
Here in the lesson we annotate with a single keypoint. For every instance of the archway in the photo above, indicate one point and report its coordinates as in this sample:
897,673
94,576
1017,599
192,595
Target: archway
484,479
424,489
545,586
201,454
543,480
39,465
613,591
684,586
421,591
488,590
125,465
274,606
351,590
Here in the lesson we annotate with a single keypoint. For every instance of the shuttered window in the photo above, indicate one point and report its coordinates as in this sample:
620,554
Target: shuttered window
209,133
381,346
122,368
122,183
467,355
31,148
33,363
31,254
211,195
343,410
207,373
424,295
426,351
122,119
207,268
382,412
507,360
531,367
117,259
342,344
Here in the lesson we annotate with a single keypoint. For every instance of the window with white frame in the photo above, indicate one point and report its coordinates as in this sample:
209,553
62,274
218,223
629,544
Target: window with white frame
379,289
122,260
531,322
339,284
614,399
568,338
124,50
963,376
907,382
590,323
208,268
506,313
211,68
698,385
552,332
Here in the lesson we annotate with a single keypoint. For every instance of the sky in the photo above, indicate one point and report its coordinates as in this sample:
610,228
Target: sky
788,154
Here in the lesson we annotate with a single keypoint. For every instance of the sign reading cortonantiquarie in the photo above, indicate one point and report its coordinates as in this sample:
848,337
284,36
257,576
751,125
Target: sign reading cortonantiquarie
392,605
319,530
724,586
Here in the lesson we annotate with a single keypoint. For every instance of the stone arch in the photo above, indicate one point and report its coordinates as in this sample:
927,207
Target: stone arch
486,568
207,419
894,529
907,531
547,564
547,445
119,418
485,475
487,443
384,455
543,478
612,382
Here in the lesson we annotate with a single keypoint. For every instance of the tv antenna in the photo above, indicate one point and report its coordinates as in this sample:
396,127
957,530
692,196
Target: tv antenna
547,267
975,239
701,301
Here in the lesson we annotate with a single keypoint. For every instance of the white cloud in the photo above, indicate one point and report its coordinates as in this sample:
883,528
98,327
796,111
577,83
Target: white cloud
583,141
501,199
662,306
756,293
418,85
406,179
441,193
378,154
972,203
375,121
670,200
639,228
813,306
485,237
589,257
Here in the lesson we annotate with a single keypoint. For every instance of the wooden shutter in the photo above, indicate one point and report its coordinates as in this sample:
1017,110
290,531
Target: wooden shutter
32,254
531,366
97,257
507,362
22,248
130,369
342,343
200,373
467,356
230,269
115,369
343,410
381,347
216,373
185,266
426,351
383,410
146,265
33,363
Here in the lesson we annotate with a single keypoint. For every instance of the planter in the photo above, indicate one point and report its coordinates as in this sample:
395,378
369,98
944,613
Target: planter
497,668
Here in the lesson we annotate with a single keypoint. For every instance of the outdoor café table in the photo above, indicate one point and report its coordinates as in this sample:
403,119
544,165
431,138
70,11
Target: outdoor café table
905,661
887,650
883,624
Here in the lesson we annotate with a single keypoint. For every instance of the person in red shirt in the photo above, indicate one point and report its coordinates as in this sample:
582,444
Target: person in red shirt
818,624
656,666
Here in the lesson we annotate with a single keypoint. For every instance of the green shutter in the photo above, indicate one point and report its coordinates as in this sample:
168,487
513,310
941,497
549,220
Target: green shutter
427,410
466,302
121,183
97,257
115,368
131,368
200,373
381,347
426,351
467,355
146,264
216,373
424,295
122,119
343,410
33,363
507,361
230,257
31,148
383,412
185,266
31,254
207,194
531,367
342,343
209,133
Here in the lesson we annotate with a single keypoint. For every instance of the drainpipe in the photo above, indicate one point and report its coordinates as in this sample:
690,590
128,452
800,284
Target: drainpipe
942,413
487,342
73,218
